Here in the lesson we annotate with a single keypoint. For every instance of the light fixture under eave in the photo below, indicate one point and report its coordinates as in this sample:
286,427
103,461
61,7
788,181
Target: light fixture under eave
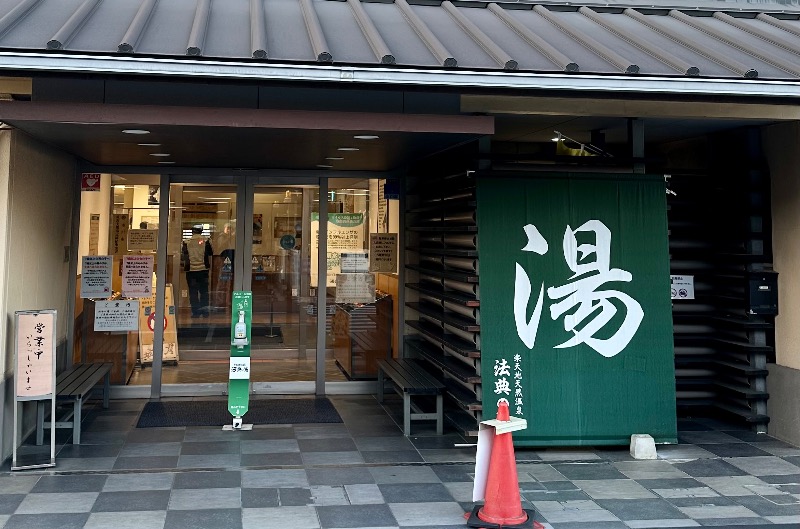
334,158
135,131
324,166
347,149
149,144
166,162
161,154
366,137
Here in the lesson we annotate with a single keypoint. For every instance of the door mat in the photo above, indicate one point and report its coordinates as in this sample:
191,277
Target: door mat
215,412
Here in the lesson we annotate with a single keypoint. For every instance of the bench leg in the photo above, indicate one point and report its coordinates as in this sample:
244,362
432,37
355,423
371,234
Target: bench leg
106,389
76,422
380,385
439,415
39,423
406,414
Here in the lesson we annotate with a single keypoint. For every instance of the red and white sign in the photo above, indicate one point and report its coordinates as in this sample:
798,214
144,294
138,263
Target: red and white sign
90,181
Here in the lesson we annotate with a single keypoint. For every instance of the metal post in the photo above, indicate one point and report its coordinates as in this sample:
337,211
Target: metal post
322,281
161,286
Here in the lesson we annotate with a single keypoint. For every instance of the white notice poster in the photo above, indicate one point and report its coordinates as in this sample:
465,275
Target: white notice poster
383,252
355,288
137,276
119,315
682,287
355,262
35,359
345,232
96,276
142,240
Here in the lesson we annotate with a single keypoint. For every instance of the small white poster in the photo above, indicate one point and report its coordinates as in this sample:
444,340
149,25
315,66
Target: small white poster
355,288
355,262
142,240
96,276
35,345
137,276
383,252
94,233
119,315
240,368
682,287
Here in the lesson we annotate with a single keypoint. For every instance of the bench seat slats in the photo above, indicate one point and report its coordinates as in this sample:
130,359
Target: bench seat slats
81,379
410,377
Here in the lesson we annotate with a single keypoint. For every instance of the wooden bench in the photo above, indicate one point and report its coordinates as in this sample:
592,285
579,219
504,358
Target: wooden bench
410,380
74,386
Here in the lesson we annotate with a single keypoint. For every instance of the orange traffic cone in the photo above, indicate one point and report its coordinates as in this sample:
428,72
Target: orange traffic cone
502,506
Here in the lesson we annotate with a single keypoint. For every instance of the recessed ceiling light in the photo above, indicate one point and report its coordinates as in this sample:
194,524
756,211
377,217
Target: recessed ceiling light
136,131
347,149
150,144
166,162
162,154
324,166
334,158
366,137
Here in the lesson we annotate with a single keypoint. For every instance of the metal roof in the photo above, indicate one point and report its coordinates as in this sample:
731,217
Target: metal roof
723,41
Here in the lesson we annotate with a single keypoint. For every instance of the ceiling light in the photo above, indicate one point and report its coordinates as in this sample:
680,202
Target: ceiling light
347,149
334,158
166,162
150,144
366,137
324,166
160,154
136,131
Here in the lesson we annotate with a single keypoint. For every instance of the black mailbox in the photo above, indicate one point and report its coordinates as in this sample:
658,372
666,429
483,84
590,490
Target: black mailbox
762,293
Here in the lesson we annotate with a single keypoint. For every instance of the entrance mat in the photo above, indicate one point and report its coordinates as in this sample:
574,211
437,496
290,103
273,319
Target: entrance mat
215,412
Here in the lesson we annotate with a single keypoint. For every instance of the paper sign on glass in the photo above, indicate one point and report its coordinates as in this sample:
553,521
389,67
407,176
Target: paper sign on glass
96,276
137,276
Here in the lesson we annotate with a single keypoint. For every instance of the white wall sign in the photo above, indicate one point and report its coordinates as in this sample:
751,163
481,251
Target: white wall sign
96,276
94,233
355,288
345,233
240,368
119,315
682,287
383,252
355,262
142,240
137,276
35,360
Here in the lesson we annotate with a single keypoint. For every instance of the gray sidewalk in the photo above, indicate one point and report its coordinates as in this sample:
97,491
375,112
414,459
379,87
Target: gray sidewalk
365,473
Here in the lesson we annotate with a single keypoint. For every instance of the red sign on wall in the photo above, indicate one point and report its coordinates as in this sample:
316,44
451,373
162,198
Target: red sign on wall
90,181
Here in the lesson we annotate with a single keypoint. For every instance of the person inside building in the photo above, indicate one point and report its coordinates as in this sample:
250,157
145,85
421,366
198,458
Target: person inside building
196,256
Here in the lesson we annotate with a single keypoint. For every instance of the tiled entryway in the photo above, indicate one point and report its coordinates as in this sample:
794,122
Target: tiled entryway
365,473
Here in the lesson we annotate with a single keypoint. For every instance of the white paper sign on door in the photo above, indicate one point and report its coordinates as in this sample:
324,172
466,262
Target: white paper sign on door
137,276
383,252
114,316
96,276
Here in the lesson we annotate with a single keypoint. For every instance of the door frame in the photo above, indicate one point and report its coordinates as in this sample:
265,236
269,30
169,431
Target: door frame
245,189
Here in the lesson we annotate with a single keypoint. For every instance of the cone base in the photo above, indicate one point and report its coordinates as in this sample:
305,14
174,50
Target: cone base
474,521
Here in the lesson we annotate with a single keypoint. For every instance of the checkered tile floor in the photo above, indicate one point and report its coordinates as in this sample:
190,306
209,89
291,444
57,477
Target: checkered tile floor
365,473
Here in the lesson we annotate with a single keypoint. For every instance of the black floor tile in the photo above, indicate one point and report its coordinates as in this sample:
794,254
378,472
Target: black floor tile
259,498
261,434
782,505
204,519
795,460
270,460
454,473
89,451
642,509
137,500
208,480
355,516
10,502
670,483
47,521
150,462
737,523
734,450
589,471
392,456
210,448
155,435
294,497
709,468
331,444
77,483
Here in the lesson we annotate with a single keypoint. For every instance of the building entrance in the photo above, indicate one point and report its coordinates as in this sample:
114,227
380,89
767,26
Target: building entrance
244,236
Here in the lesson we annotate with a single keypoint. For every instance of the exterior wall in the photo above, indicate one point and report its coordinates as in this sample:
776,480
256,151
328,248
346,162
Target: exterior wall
782,149
36,186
